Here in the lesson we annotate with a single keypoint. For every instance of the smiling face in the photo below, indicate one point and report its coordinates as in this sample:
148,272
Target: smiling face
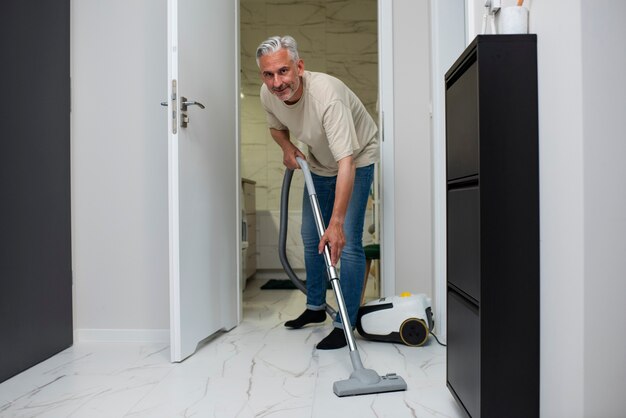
282,75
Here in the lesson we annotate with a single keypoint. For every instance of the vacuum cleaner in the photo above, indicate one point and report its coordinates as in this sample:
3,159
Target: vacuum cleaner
405,319
362,381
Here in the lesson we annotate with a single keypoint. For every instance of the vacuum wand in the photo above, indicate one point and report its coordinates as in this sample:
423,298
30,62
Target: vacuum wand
362,381
282,240
332,271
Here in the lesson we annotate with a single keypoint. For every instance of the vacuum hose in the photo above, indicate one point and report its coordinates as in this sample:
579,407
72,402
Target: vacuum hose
282,239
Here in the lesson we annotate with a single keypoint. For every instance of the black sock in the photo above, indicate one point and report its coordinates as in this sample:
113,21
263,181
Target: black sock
308,317
336,339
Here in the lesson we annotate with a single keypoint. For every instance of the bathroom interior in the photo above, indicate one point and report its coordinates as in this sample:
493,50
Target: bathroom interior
338,38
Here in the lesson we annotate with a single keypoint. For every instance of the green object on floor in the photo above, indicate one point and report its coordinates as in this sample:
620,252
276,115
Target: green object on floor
372,251
276,284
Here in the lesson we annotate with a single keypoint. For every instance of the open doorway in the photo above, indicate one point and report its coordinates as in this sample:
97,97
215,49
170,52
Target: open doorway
338,38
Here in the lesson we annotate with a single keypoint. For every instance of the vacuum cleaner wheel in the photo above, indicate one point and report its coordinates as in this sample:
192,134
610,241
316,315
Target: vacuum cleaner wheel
414,332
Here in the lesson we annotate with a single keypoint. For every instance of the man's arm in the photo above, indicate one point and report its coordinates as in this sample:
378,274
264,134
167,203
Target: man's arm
334,234
290,151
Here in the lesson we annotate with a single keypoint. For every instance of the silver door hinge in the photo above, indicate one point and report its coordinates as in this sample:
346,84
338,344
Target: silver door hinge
174,108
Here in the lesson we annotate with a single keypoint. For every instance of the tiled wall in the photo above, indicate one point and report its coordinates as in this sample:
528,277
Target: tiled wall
336,37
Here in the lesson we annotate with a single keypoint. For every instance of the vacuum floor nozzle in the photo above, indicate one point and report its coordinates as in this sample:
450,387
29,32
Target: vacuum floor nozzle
358,384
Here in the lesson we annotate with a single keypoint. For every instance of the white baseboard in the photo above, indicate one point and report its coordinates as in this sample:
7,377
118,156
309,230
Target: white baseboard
122,335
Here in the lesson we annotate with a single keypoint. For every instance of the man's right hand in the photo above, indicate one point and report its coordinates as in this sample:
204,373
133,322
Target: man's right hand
290,151
289,157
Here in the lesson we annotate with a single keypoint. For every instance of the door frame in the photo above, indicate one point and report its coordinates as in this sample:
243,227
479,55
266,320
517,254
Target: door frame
387,174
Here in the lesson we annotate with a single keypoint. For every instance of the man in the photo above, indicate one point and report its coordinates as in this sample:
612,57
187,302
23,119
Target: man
323,113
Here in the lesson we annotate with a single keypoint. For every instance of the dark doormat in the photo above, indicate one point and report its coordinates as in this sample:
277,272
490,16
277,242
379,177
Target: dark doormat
275,284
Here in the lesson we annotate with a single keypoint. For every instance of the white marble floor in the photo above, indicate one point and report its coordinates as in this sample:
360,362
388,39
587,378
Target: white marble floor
259,369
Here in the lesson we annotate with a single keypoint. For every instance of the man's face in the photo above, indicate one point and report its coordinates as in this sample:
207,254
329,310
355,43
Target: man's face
282,76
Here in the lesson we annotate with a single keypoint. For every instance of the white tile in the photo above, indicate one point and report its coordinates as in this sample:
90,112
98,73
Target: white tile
81,395
295,13
259,369
91,380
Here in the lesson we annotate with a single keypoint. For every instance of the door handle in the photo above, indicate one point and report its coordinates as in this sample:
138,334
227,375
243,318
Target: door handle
184,103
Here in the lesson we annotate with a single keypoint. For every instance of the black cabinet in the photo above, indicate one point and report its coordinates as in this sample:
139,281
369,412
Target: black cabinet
493,227
35,220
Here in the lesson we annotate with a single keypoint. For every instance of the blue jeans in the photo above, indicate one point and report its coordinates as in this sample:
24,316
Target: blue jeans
352,262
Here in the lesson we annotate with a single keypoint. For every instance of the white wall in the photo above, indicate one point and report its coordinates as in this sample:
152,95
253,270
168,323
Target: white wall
412,165
419,180
447,43
120,161
604,187
119,164
582,130
561,206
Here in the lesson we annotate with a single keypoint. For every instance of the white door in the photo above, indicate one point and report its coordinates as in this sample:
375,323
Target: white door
203,171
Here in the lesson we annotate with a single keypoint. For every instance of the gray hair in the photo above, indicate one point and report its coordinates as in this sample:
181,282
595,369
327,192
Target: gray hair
274,44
